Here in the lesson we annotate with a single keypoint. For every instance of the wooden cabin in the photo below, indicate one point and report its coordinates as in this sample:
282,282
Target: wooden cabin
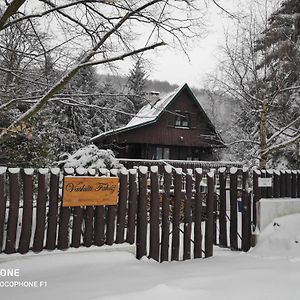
172,127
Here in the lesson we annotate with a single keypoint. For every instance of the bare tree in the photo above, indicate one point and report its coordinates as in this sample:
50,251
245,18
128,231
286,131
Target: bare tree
268,113
87,33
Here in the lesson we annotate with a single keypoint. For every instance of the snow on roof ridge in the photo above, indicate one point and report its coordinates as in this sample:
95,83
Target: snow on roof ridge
147,114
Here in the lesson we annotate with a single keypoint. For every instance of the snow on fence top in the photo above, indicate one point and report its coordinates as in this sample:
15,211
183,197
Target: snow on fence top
127,162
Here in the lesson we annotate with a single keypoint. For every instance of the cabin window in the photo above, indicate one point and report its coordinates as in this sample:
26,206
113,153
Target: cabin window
159,153
182,119
162,153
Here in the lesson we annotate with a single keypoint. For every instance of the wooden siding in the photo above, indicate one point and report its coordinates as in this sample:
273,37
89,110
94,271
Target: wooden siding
163,132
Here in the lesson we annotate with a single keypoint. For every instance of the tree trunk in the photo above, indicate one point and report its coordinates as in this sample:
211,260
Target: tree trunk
263,135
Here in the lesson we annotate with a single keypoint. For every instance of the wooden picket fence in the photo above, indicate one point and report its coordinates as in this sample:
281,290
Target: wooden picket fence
285,183
171,215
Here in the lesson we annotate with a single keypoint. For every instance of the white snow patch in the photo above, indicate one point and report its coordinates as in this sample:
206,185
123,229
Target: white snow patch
91,171
199,170
43,171
168,169
189,172
124,171
271,208
143,169
178,170
133,171
281,238
222,169
245,169
154,169
55,171
103,171
256,171
69,171
28,171
91,157
3,170
13,170
114,172
233,170
210,174
81,171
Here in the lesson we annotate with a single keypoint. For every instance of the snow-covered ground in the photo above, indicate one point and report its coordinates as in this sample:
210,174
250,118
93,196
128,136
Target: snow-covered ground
271,270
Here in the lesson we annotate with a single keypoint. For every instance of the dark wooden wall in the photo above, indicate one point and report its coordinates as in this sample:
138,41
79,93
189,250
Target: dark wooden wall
163,132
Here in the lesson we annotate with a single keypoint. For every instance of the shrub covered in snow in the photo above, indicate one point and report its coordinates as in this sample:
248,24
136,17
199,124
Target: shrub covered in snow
91,157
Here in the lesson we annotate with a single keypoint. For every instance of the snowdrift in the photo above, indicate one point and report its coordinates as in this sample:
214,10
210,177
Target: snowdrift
281,238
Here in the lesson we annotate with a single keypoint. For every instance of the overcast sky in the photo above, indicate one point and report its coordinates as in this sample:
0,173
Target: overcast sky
175,67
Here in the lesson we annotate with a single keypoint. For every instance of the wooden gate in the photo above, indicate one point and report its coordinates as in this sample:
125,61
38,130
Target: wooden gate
172,215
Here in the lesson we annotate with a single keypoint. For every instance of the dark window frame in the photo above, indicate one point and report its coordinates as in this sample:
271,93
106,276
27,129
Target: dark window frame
163,151
182,119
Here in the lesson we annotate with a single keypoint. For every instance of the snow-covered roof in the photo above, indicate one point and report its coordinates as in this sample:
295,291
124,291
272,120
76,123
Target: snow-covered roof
150,113
147,114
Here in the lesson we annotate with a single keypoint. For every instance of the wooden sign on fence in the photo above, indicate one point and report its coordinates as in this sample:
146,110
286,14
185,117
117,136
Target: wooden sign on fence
265,182
90,191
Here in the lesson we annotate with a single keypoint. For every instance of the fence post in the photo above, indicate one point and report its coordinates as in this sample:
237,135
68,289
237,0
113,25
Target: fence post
166,215
198,215
154,214
298,184
77,213
222,216
269,192
132,206
99,220
233,209
276,184
263,190
14,198
256,194
282,184
246,212
2,203
141,233
176,214
294,184
288,182
187,216
209,226
122,204
88,233
53,209
111,218
38,242
64,219
24,242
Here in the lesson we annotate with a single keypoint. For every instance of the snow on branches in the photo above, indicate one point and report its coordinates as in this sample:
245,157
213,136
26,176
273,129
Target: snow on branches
91,157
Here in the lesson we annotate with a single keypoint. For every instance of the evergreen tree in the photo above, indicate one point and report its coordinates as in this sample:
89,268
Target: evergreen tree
280,48
137,80
261,72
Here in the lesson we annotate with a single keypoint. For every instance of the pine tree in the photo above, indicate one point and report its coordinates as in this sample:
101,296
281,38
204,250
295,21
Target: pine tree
261,72
137,79
280,49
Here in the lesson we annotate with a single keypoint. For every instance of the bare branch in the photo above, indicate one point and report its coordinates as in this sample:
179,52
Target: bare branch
121,57
22,78
10,11
226,11
56,88
279,132
242,141
282,145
